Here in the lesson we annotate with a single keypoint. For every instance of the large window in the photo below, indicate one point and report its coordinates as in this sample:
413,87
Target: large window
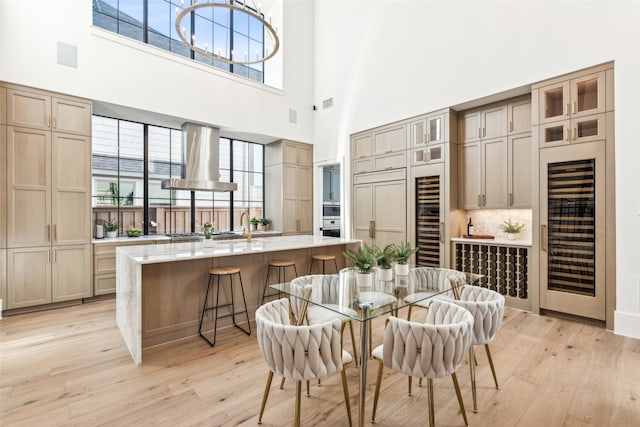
125,192
218,29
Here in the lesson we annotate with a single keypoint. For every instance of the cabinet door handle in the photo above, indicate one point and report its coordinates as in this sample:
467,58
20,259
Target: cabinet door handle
479,133
510,199
484,200
49,257
479,199
55,232
484,132
441,232
372,229
388,151
566,111
543,238
297,225
48,121
573,111
48,232
568,136
428,155
55,255
510,126
54,122
573,133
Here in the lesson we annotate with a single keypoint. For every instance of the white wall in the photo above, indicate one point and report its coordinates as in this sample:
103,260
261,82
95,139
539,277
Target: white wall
123,72
383,61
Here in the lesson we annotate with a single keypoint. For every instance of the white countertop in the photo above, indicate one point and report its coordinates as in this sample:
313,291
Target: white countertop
496,241
132,240
151,254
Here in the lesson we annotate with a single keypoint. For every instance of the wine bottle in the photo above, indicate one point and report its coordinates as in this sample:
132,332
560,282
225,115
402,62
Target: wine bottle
470,228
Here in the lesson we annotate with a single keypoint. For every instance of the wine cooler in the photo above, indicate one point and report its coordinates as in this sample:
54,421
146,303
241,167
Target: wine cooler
428,225
572,213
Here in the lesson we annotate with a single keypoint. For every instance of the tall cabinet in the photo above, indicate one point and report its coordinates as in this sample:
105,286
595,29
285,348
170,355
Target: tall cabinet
573,133
3,198
289,186
48,197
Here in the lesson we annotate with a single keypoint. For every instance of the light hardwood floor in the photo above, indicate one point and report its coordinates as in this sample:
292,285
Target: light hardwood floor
70,367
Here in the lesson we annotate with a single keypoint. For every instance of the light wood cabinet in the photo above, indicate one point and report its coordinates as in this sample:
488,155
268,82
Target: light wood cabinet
40,110
579,96
3,106
578,130
43,275
3,186
379,207
380,149
482,124
48,200
429,129
104,265
289,186
519,171
519,116
3,278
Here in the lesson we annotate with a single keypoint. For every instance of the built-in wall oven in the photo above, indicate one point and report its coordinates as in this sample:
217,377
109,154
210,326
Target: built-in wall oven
331,219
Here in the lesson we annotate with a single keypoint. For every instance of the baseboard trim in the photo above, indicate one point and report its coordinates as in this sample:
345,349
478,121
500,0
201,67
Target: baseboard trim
627,324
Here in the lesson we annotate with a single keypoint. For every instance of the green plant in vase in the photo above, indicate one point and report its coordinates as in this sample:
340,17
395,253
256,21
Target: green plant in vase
254,223
207,227
401,254
511,228
384,258
264,222
363,260
112,228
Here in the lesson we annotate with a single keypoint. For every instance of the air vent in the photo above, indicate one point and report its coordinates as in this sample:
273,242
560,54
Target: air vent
67,55
327,103
293,116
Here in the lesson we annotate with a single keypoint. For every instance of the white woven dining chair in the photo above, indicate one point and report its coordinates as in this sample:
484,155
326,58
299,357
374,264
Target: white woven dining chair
487,308
426,350
300,353
429,281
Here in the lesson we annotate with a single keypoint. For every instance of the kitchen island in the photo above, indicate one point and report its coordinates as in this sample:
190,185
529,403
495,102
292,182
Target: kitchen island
160,289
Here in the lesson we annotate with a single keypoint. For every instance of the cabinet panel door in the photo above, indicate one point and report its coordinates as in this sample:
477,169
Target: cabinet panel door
289,153
588,128
104,284
436,129
305,155
290,199
520,171
28,109
519,117
390,140
390,161
494,172
305,199
71,116
588,95
494,122
28,187
71,196
362,146
469,127
28,277
3,187
3,106
362,211
418,132
3,278
390,212
71,272
469,176
553,103
363,165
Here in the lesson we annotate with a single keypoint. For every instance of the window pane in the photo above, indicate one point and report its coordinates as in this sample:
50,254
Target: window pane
240,47
159,22
241,22
103,21
221,41
222,15
106,7
131,11
256,29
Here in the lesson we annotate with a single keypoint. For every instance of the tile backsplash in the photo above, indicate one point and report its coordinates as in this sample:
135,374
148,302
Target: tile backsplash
488,221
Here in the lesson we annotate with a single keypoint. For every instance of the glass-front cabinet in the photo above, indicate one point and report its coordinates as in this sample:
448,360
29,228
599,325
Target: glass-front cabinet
428,130
573,98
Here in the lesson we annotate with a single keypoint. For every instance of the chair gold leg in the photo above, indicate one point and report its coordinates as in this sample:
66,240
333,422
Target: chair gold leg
298,395
409,313
420,382
432,417
377,393
353,343
265,396
282,384
410,378
472,373
308,394
493,370
460,402
345,388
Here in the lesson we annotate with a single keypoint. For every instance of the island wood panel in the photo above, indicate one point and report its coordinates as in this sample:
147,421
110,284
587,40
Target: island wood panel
173,292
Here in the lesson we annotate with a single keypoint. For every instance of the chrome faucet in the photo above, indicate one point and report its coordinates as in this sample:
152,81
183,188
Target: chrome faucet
246,232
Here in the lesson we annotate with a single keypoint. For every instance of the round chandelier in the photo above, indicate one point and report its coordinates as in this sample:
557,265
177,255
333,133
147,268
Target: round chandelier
243,58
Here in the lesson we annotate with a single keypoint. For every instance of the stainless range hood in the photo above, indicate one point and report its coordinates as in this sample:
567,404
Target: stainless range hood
202,153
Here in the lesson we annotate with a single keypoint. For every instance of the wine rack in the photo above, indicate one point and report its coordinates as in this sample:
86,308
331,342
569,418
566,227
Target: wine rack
428,232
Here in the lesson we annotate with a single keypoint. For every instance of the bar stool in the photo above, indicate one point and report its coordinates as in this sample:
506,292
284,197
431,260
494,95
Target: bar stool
324,259
219,272
281,268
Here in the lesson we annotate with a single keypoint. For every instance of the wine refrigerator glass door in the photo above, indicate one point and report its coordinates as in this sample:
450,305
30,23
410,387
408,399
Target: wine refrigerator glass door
572,224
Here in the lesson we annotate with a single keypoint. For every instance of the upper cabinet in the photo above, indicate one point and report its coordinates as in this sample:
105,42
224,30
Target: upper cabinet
571,109
429,129
494,156
40,110
380,149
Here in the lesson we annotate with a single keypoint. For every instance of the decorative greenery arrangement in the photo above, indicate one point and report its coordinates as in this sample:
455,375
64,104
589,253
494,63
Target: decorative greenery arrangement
112,225
402,252
363,260
254,221
384,257
134,232
265,221
510,227
207,225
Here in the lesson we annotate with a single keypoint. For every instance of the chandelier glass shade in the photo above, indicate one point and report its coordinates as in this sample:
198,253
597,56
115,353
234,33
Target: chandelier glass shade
243,58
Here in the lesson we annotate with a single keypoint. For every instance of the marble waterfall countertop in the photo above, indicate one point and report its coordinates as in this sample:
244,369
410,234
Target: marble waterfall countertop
151,254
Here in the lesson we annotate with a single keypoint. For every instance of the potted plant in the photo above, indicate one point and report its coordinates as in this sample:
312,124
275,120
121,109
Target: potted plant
511,228
363,260
134,232
254,223
401,254
384,257
264,223
207,227
112,228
